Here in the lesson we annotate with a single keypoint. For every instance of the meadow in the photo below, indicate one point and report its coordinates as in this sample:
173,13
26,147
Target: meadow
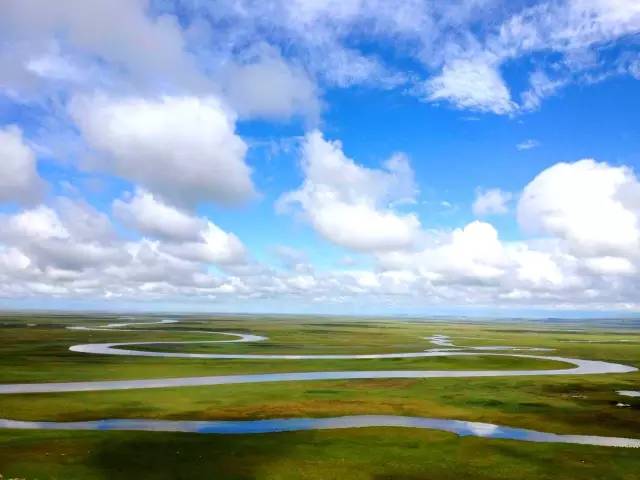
35,348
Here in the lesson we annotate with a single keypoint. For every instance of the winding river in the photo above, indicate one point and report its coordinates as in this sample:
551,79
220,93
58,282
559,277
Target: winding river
443,346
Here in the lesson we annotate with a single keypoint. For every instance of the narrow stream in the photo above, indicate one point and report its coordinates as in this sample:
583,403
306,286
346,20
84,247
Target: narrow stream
459,427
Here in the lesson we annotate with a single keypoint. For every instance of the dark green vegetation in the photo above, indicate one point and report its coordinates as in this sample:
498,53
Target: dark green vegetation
566,404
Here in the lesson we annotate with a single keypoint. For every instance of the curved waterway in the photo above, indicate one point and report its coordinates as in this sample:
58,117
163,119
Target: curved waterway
459,427
443,347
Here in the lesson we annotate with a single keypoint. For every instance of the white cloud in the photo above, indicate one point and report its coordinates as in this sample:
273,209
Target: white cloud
471,84
473,266
345,67
577,31
592,206
121,33
293,259
60,240
54,66
348,204
183,148
19,179
540,87
362,227
577,24
213,246
13,260
183,235
38,223
536,269
72,251
470,254
128,46
150,216
491,202
528,144
83,221
460,46
46,253
610,265
634,69
267,86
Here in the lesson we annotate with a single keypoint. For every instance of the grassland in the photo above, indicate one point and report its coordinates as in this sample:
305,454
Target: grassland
567,404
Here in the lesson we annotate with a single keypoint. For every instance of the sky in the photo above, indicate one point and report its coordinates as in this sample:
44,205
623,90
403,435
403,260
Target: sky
321,156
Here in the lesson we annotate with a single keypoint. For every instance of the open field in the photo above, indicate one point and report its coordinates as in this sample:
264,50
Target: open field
35,350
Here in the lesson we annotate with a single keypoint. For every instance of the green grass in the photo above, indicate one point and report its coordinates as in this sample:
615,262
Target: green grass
563,404
374,453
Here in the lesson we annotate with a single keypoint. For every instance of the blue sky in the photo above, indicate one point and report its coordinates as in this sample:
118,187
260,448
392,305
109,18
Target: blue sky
471,157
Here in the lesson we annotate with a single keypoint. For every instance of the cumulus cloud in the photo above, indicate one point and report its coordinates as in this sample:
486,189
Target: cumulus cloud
58,240
583,248
538,269
213,246
121,33
185,236
473,266
593,206
150,216
182,148
349,204
267,86
46,252
19,179
491,202
38,223
473,253
72,251
610,265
